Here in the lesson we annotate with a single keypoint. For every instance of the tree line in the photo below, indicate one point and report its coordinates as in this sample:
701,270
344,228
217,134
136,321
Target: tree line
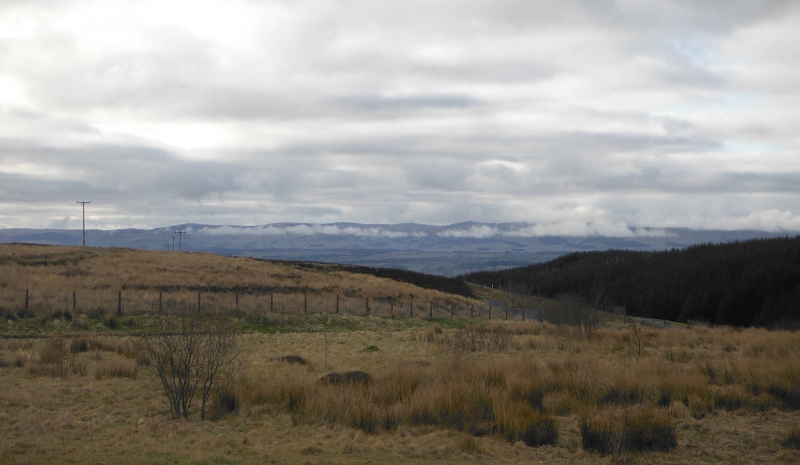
750,283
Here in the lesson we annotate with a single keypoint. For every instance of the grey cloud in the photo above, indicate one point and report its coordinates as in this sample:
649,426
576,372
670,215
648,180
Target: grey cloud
570,113
377,103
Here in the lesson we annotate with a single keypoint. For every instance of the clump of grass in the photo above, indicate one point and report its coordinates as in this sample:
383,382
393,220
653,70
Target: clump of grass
116,369
636,430
110,321
792,439
349,377
479,337
295,359
79,344
521,422
434,332
223,402
53,359
731,399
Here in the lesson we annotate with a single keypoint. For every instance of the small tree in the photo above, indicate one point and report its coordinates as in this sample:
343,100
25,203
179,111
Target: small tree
189,354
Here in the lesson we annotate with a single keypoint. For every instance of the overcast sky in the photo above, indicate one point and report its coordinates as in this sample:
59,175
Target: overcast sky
584,116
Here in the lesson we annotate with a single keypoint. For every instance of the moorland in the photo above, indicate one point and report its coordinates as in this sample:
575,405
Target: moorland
342,367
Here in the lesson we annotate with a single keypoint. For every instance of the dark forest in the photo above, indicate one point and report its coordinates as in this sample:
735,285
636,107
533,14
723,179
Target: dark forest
751,283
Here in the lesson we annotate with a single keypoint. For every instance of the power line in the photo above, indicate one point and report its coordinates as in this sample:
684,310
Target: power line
83,207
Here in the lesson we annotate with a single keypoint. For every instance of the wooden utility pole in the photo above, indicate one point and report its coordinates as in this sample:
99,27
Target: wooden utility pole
83,208
180,240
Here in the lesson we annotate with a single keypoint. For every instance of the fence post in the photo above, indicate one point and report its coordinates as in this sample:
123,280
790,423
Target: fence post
506,312
305,302
74,302
271,301
119,303
452,310
337,304
523,314
472,311
198,302
391,309
26,302
490,312
366,304
430,313
237,300
411,314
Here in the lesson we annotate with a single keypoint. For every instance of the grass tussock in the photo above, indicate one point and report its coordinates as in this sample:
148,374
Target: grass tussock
116,369
792,440
634,430
479,337
475,399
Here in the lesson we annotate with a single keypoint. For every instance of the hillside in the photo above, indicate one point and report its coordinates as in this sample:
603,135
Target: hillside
97,281
751,283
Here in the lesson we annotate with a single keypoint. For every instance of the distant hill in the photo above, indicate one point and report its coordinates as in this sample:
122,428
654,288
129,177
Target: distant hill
750,283
447,250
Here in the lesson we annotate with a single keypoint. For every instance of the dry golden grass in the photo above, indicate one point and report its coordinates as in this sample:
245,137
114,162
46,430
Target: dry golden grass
491,392
429,400
149,280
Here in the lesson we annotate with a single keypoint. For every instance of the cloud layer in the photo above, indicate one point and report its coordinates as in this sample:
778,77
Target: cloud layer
576,117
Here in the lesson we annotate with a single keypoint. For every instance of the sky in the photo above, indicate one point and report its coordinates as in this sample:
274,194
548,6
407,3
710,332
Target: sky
576,116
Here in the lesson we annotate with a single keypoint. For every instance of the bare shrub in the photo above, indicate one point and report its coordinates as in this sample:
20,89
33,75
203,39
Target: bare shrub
190,356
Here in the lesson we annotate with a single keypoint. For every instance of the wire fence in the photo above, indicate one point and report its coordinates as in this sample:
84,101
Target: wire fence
101,302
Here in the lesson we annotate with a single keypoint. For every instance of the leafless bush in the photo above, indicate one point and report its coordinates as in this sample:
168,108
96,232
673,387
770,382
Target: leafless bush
191,356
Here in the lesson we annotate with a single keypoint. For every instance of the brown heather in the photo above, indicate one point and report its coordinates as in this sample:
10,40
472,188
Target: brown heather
444,392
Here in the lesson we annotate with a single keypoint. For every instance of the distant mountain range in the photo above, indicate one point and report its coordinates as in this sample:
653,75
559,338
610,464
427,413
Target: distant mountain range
445,250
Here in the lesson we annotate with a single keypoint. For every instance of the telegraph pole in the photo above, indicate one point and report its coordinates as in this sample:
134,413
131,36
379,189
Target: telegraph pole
173,242
83,207
180,236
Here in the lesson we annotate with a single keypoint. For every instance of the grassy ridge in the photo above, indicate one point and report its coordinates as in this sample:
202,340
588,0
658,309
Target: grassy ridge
66,282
